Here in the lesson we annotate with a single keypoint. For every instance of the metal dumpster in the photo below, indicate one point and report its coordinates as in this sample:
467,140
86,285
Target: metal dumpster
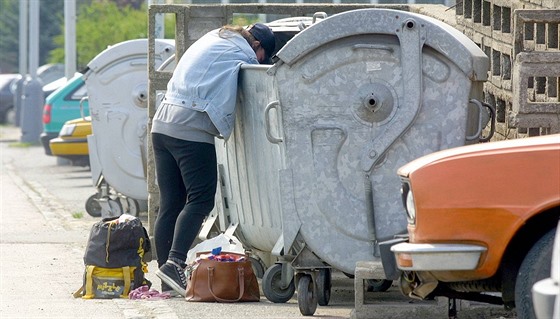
309,172
117,84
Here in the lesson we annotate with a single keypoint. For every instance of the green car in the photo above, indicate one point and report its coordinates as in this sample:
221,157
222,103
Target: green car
63,105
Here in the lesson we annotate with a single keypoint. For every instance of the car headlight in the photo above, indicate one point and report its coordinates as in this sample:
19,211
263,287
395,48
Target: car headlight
408,203
67,130
410,208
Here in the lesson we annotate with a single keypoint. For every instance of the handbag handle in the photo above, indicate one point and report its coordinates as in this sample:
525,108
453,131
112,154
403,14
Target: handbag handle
241,276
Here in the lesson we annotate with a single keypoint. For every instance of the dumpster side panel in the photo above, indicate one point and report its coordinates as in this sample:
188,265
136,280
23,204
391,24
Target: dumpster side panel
251,162
336,102
118,130
117,90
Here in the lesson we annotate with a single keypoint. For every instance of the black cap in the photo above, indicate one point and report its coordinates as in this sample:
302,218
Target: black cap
265,36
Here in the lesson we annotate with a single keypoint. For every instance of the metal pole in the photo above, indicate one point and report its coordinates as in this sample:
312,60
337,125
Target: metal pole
70,38
33,38
23,21
32,101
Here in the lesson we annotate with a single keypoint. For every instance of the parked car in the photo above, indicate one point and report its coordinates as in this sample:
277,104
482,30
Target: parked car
50,76
6,95
481,219
49,73
49,88
60,106
71,142
546,293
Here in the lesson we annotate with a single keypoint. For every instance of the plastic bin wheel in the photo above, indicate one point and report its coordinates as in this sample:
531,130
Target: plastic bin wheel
306,296
92,206
324,284
378,285
133,207
115,207
272,285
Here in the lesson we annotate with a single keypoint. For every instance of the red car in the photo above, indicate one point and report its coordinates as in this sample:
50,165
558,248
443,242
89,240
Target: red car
481,219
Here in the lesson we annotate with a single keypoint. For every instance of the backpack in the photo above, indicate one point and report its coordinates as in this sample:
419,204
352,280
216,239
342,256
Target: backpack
114,258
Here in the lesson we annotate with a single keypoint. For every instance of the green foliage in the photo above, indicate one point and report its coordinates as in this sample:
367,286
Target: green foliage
50,19
169,26
245,20
100,25
78,215
21,144
8,28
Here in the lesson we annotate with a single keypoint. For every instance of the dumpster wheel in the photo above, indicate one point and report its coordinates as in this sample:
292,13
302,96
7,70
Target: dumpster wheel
378,285
272,285
306,295
133,207
324,284
92,206
258,267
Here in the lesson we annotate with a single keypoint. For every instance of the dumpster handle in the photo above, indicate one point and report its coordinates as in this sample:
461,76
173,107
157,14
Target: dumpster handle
478,134
492,110
318,15
271,139
85,98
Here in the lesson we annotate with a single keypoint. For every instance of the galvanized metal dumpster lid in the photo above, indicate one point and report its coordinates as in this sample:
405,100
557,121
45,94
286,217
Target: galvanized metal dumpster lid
440,36
126,49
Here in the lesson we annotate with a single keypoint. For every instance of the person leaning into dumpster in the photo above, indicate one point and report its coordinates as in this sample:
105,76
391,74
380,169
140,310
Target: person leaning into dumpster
199,105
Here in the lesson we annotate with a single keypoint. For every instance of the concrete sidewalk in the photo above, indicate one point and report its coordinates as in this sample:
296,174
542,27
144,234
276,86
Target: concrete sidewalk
40,259
43,232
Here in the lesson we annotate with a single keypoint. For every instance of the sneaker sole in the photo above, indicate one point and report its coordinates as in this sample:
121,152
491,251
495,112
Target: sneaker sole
171,283
172,293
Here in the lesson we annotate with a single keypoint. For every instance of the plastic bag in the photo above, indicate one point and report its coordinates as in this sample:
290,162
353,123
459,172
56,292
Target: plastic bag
228,244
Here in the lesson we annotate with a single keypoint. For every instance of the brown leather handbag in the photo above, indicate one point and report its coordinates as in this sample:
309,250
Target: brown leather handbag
222,281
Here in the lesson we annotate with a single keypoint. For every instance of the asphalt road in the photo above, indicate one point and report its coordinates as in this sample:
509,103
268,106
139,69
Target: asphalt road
44,228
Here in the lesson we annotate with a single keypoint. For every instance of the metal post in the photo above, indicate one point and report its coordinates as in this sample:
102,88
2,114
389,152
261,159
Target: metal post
32,101
70,38
23,21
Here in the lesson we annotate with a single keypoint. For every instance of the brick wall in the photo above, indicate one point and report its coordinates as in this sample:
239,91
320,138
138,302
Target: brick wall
521,39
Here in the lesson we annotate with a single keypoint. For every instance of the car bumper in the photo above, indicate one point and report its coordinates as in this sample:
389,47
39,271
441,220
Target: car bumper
437,257
45,138
69,147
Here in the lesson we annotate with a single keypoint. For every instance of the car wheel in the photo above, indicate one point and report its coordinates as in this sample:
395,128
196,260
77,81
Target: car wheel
8,116
11,117
535,266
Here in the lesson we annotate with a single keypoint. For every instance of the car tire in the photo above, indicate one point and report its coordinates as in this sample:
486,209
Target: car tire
535,266
4,117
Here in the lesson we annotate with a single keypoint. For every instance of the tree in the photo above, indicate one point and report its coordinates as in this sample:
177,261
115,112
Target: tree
99,25
125,20
50,18
8,42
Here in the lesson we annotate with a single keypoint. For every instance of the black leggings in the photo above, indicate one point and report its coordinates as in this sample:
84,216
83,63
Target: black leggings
186,173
